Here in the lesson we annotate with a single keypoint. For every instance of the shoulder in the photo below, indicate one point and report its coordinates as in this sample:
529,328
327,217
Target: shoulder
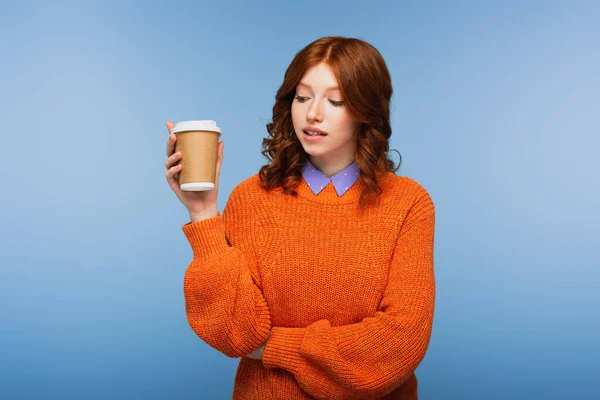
408,191
248,200
250,192
250,186
406,186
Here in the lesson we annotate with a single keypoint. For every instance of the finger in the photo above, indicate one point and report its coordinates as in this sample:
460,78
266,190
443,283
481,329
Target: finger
171,175
171,144
172,159
172,138
173,170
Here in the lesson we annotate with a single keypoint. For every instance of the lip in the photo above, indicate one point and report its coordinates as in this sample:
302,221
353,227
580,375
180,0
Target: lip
312,129
312,139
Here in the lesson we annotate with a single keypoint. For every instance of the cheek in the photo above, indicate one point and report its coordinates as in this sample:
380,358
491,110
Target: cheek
295,112
347,124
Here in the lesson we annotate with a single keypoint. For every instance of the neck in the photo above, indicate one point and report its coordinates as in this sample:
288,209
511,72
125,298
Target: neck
330,169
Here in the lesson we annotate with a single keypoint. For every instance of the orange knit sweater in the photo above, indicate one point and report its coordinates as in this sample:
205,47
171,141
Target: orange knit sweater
344,299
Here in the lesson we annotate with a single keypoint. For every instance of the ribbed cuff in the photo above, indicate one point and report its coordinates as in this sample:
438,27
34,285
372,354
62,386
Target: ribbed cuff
283,349
207,237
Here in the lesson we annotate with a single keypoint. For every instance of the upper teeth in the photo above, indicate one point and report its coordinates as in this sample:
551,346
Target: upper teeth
311,133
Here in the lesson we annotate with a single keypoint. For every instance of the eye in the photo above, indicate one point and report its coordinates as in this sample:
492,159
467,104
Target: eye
302,99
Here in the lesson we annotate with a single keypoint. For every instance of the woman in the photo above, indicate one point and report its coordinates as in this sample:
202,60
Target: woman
319,273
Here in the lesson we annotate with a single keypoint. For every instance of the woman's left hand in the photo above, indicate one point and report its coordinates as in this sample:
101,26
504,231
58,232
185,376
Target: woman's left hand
258,353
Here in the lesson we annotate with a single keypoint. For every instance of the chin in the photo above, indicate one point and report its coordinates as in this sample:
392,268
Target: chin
315,152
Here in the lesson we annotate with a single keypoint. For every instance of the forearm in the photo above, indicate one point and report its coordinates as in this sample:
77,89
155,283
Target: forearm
219,282
211,212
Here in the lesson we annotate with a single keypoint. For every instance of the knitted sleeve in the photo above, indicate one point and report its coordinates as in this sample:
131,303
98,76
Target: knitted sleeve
224,303
371,358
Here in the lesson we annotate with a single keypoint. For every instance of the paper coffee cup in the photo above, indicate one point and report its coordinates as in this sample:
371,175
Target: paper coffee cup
198,142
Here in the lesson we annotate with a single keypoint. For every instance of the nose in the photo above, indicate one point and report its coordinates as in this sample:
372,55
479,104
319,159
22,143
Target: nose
315,112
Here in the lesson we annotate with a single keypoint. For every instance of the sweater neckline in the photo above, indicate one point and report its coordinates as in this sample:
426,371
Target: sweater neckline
328,194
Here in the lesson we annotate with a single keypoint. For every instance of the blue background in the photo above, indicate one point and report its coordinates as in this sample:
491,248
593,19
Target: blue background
496,112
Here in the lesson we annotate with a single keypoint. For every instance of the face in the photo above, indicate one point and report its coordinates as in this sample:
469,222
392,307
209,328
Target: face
318,104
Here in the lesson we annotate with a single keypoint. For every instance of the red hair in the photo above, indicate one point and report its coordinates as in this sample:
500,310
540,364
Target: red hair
366,88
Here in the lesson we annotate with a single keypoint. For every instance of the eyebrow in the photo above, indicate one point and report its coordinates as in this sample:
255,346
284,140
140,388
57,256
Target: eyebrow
329,88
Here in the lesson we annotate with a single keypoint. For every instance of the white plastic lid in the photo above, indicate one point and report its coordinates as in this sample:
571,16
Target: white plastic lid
197,186
203,125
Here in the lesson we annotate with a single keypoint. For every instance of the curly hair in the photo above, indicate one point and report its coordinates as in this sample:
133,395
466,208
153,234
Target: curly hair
366,88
